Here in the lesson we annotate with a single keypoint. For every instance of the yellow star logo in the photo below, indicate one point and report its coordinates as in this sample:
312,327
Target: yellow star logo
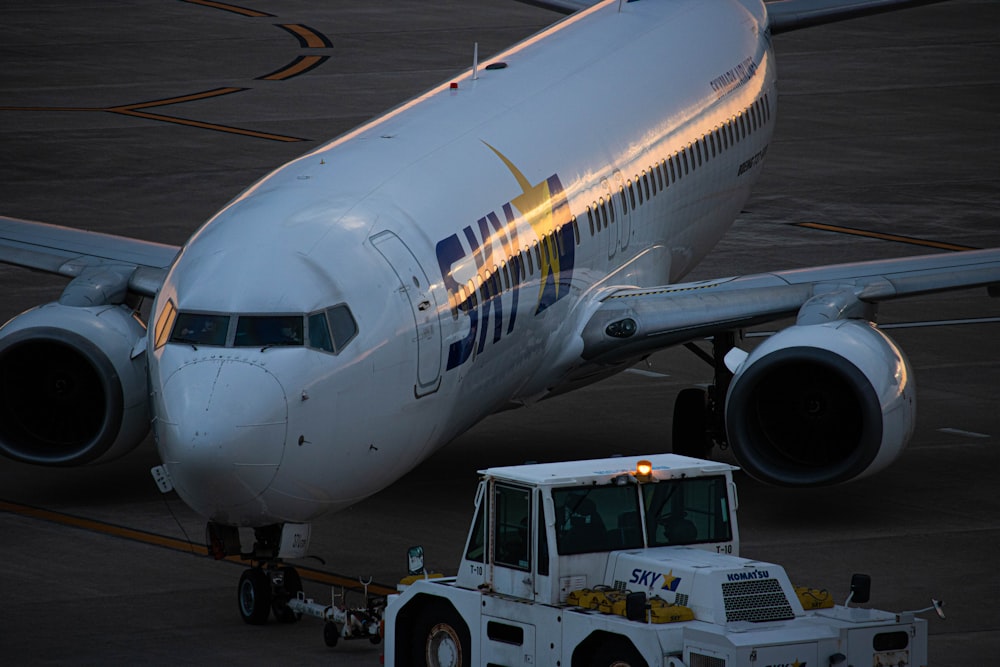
535,204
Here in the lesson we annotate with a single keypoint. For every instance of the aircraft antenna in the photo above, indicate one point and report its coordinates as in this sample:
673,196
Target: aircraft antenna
475,61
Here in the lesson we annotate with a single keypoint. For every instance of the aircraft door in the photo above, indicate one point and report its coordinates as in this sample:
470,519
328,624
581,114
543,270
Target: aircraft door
417,288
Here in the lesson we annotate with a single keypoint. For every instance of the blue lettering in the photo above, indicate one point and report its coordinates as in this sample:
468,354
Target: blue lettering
485,295
448,252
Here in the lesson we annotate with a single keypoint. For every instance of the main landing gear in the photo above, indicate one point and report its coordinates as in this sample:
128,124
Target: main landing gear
699,414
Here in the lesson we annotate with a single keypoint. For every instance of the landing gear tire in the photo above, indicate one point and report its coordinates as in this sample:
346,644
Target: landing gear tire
689,436
617,654
254,596
442,638
291,588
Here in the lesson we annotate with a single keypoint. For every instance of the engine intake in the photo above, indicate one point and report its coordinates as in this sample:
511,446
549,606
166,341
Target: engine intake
821,404
71,392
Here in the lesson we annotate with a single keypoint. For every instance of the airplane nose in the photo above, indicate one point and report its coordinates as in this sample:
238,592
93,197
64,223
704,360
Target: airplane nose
221,428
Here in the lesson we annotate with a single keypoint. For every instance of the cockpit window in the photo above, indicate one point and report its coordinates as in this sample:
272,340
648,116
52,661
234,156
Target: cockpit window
332,329
319,332
264,330
342,325
200,329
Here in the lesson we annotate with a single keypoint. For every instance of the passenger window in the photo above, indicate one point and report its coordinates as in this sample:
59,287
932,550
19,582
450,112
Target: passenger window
202,329
473,301
265,330
590,218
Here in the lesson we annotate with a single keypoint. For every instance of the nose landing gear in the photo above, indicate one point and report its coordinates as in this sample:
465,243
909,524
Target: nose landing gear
270,586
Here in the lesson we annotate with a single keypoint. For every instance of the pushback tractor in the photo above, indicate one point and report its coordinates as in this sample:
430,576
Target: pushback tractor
612,563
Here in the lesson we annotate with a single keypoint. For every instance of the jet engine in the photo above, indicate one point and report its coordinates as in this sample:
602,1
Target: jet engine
821,404
73,386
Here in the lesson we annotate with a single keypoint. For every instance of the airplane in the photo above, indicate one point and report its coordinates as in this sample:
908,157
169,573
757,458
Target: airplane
517,232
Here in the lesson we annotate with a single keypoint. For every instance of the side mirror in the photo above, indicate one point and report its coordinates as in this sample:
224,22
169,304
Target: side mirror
861,589
415,560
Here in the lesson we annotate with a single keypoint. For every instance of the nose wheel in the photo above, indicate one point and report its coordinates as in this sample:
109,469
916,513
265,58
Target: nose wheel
263,591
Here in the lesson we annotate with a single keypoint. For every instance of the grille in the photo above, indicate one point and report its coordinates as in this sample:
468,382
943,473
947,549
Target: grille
756,601
681,599
699,660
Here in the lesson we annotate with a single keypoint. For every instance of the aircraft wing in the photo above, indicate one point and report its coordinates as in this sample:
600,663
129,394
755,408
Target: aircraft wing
630,323
784,15
71,252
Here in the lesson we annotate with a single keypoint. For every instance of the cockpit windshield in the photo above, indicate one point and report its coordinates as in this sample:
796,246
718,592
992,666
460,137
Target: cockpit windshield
329,330
265,330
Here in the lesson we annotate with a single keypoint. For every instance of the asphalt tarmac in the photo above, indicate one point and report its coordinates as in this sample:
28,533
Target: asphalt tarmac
143,118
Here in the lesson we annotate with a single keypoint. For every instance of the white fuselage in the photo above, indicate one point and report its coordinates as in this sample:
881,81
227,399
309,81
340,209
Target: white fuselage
470,232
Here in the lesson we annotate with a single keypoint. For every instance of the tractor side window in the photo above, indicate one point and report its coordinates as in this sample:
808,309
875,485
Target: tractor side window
543,545
512,529
477,547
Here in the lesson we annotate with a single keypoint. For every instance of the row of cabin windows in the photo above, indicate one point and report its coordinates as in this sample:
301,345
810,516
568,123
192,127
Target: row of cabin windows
601,213
671,169
502,277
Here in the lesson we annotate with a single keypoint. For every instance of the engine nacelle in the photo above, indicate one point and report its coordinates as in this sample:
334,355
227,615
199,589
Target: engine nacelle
821,404
73,386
